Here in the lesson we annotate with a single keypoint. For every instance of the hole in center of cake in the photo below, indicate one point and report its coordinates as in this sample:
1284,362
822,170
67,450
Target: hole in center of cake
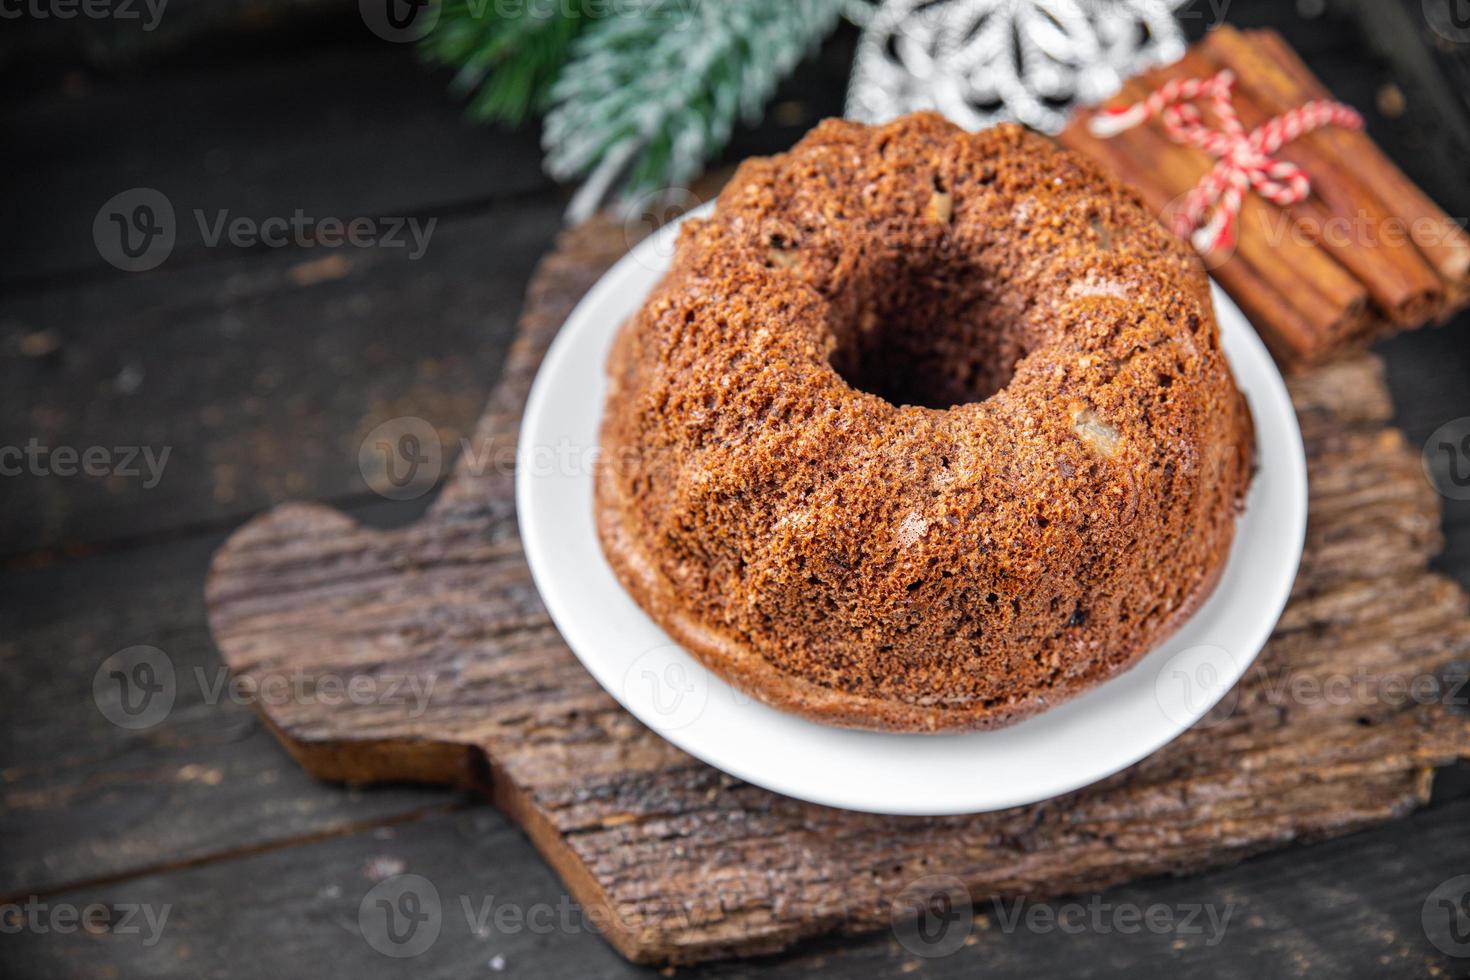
930,335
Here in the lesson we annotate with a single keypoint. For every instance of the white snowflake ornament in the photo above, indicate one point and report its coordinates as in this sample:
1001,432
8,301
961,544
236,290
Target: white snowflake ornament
981,62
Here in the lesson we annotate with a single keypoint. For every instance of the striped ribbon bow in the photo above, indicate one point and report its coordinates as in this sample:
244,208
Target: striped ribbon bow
1211,211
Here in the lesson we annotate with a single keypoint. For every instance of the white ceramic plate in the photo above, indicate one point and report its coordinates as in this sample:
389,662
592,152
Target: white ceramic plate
1092,736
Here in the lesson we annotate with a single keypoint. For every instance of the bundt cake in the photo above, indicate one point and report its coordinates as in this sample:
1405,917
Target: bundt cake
924,430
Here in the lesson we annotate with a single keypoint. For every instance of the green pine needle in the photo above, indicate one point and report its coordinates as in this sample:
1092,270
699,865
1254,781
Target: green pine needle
508,55
654,88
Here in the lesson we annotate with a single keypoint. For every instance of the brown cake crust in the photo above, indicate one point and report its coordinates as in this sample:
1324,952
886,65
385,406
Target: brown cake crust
924,431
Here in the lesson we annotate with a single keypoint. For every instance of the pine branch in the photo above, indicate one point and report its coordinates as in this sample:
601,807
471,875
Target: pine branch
653,90
508,55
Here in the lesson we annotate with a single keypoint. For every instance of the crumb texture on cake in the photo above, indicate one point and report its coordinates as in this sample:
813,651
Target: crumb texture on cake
923,431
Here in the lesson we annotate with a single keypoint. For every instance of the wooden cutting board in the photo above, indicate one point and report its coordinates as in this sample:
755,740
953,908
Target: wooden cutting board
682,863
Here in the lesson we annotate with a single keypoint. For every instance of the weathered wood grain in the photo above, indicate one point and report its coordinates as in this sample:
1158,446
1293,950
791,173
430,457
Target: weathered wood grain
237,369
1348,908
691,864
380,137
343,130
82,799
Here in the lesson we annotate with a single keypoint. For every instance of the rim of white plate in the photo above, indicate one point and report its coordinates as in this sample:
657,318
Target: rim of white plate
1089,738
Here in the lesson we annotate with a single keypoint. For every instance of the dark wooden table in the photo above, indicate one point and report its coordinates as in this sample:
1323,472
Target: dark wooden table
262,369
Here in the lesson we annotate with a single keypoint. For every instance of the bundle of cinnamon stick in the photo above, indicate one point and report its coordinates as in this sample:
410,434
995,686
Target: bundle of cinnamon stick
1364,254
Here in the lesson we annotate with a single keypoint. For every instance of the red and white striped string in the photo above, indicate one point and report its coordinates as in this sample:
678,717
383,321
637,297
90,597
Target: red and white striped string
1211,211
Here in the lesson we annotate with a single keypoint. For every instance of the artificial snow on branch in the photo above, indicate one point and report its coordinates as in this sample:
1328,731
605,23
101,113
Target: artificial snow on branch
507,55
654,88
